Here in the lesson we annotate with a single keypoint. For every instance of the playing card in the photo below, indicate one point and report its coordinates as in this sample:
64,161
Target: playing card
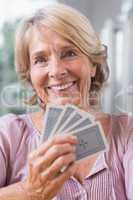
91,141
65,115
74,119
80,124
51,116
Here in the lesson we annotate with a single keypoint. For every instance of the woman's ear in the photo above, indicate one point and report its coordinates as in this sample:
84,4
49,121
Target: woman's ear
93,70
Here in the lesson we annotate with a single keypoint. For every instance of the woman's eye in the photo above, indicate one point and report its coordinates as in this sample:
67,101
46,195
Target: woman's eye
69,54
40,60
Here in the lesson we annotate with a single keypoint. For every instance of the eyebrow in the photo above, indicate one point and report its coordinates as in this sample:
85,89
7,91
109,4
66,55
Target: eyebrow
44,52
68,47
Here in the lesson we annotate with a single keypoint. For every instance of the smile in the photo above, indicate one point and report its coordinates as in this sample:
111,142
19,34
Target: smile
61,87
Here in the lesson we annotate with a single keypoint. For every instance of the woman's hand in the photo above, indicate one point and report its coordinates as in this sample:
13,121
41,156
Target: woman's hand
45,165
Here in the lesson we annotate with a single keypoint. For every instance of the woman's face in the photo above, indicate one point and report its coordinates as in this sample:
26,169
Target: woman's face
58,68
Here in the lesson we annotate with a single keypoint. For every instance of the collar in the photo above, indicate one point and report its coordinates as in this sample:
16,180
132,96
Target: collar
99,165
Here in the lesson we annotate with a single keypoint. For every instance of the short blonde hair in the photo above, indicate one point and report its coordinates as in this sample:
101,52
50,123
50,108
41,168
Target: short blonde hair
73,26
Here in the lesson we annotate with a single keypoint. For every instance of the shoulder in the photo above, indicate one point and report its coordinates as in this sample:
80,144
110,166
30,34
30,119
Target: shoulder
123,121
13,128
14,134
122,128
11,122
9,119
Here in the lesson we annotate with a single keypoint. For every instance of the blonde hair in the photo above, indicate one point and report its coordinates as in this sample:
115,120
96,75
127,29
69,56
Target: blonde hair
73,26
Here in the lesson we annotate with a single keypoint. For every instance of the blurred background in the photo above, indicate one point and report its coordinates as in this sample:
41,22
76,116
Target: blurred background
113,20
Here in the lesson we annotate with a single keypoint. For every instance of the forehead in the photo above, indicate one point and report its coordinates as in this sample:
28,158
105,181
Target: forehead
47,38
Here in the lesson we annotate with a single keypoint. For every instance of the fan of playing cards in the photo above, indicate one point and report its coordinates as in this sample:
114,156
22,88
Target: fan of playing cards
69,119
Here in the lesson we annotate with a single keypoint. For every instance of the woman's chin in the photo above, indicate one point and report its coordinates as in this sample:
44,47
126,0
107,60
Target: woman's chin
65,98
62,100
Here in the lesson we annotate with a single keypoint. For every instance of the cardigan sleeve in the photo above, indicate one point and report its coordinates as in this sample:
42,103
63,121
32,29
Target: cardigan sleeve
10,137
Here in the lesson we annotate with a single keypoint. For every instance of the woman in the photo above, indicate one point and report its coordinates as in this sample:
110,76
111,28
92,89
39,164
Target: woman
59,54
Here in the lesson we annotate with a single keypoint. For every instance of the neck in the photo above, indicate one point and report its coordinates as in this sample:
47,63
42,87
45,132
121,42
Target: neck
37,119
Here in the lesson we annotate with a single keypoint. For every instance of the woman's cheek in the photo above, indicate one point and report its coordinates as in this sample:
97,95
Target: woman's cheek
38,77
79,70
39,80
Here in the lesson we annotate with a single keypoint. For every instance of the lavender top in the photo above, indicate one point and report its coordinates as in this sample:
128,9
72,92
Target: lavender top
111,178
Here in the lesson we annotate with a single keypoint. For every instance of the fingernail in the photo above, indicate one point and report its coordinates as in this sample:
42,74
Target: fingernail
73,137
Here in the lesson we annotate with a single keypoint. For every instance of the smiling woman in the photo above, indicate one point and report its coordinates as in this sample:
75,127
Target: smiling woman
59,54
57,72
55,39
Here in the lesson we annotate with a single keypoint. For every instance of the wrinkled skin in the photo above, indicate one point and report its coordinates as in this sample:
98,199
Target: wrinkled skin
45,178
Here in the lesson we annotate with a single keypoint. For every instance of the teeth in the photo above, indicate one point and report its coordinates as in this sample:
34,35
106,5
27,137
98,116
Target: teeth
62,87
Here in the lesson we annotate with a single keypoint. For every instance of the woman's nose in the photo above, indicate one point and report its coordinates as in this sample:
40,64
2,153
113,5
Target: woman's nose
57,69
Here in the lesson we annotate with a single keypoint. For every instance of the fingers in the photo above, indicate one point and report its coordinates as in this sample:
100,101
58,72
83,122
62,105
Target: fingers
61,139
55,152
46,162
57,183
58,150
70,171
42,158
55,168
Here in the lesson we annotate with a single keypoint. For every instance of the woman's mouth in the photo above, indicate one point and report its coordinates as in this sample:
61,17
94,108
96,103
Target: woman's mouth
60,88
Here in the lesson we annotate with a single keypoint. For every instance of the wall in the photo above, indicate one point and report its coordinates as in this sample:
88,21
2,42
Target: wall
97,10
